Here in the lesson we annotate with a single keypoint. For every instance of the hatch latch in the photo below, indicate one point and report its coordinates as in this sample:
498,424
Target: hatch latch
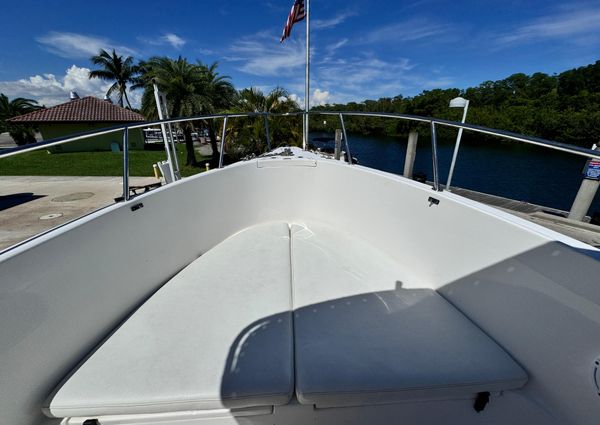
481,401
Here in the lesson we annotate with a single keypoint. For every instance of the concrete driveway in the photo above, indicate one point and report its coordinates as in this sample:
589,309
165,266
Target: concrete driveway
33,204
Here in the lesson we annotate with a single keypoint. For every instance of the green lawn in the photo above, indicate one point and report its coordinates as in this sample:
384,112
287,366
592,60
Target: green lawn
42,163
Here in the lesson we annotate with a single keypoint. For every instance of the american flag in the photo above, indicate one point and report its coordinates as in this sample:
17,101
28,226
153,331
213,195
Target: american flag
296,15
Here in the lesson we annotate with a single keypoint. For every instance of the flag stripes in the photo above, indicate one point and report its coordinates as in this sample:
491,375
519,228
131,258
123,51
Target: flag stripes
296,15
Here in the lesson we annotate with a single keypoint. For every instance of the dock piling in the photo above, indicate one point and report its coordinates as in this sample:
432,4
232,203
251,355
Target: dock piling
338,144
585,197
411,154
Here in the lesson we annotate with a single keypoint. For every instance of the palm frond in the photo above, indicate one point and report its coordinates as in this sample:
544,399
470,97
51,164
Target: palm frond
101,74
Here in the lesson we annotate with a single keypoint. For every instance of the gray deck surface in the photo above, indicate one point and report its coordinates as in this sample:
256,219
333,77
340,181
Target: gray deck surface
545,216
505,203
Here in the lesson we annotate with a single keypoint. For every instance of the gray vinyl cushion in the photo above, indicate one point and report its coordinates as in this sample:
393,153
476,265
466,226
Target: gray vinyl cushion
363,336
218,335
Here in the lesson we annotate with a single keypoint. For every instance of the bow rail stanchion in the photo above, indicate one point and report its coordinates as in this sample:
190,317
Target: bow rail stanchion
126,164
223,142
163,122
348,155
266,117
434,158
457,102
176,168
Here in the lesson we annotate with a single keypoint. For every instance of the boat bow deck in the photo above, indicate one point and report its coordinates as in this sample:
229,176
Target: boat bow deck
220,334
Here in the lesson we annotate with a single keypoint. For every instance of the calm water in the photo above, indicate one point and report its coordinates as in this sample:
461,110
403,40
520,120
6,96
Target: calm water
512,170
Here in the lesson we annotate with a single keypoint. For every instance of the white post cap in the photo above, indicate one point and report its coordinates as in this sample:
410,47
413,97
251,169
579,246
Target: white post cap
458,102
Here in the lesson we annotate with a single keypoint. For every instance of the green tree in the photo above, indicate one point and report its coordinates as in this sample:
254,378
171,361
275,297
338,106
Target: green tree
221,95
121,71
563,107
190,89
20,133
246,136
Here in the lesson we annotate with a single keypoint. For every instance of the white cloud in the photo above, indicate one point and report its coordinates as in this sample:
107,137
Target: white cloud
364,76
73,45
363,73
337,45
276,6
320,97
49,90
317,98
207,52
174,40
135,97
169,38
331,49
329,23
368,77
354,75
263,55
295,98
559,25
410,30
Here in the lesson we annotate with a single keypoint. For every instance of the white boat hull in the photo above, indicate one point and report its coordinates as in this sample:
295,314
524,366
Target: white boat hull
535,292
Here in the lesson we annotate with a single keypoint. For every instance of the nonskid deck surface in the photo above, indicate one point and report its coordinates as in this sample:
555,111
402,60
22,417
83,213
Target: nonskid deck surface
285,311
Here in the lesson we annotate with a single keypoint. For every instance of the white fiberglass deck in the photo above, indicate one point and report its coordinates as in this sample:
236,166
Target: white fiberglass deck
288,290
220,335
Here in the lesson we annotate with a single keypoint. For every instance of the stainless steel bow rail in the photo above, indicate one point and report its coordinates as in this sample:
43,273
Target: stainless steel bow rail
433,122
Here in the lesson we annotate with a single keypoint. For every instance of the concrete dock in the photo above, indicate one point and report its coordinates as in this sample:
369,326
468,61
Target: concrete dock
544,216
34,204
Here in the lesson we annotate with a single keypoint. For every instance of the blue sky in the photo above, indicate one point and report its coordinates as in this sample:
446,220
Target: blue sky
361,49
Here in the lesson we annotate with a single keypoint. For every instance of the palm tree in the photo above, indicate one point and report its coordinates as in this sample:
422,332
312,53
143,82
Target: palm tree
20,133
221,93
180,81
247,136
114,68
190,89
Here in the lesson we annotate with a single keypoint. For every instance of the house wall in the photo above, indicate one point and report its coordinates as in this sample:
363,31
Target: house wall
92,144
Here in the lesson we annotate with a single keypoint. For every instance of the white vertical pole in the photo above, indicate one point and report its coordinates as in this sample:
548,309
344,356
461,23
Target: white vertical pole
456,147
164,131
163,105
223,142
126,164
307,78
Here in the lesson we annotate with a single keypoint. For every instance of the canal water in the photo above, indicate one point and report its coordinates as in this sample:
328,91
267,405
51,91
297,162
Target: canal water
512,170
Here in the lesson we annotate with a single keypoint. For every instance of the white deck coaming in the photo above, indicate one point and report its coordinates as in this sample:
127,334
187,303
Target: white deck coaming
544,232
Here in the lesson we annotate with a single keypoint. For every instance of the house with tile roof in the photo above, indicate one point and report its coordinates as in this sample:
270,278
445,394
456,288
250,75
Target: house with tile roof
82,115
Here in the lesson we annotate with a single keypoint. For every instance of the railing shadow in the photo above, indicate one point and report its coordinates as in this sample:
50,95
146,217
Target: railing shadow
12,200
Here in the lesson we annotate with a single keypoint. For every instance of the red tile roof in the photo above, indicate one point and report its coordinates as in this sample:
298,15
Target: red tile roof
87,109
